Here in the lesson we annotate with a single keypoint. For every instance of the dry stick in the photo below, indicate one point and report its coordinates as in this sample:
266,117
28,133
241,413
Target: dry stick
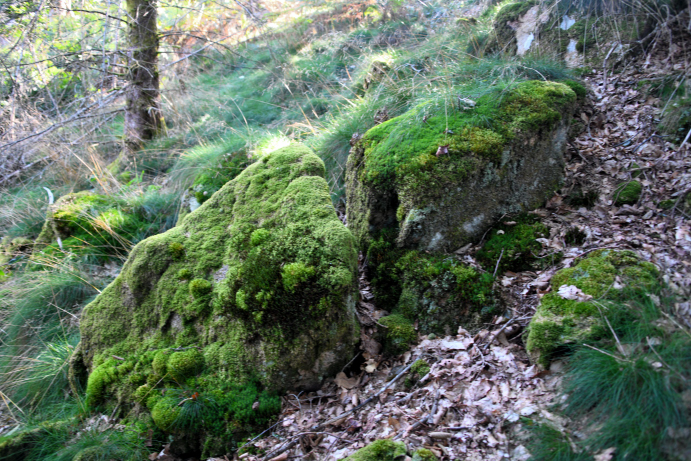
267,430
680,326
351,360
426,420
498,261
604,70
504,327
685,139
620,348
287,446
25,167
606,353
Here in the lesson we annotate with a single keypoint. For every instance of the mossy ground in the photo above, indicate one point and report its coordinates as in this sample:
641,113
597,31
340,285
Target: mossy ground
563,323
514,247
628,193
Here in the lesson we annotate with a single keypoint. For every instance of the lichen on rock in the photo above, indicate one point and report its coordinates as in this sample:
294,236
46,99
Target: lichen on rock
561,322
258,284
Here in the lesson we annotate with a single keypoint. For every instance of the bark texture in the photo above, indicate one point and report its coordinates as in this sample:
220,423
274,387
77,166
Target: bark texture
142,112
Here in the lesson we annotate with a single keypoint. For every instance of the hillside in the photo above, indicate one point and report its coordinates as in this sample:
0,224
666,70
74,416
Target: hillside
452,230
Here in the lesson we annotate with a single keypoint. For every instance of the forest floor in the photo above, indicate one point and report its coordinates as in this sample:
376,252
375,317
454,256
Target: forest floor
481,393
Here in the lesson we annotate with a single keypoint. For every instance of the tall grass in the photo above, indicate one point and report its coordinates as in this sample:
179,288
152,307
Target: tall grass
39,316
626,391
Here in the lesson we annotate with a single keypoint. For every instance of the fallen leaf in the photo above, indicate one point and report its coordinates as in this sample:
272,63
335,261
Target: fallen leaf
346,383
605,455
573,293
442,150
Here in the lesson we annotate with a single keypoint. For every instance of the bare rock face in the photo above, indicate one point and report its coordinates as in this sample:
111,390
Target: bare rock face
433,181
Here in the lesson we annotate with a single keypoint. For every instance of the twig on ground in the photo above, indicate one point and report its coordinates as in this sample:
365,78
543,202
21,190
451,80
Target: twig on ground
498,261
606,353
287,446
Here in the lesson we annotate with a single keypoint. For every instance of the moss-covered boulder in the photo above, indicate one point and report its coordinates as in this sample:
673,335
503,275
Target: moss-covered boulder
440,178
256,285
569,316
98,227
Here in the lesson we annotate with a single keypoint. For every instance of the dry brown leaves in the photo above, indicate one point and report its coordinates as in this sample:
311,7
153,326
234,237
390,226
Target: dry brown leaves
468,406
621,143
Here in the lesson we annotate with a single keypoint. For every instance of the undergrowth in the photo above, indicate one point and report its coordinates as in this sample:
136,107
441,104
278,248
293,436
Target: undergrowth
319,80
625,391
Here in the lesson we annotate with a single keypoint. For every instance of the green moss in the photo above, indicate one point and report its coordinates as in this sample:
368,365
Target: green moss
259,236
584,34
423,454
514,247
142,394
99,380
406,145
97,227
560,323
296,273
199,288
177,250
420,367
160,363
185,364
271,273
185,274
544,337
379,450
435,290
165,413
577,87
398,333
628,193
224,168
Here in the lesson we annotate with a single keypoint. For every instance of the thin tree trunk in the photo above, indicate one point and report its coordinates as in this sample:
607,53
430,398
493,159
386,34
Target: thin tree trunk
142,112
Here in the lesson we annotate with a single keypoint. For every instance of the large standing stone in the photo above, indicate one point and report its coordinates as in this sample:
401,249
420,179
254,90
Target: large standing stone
258,283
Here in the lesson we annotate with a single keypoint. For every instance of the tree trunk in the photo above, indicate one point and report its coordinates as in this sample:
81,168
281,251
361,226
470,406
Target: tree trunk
142,112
